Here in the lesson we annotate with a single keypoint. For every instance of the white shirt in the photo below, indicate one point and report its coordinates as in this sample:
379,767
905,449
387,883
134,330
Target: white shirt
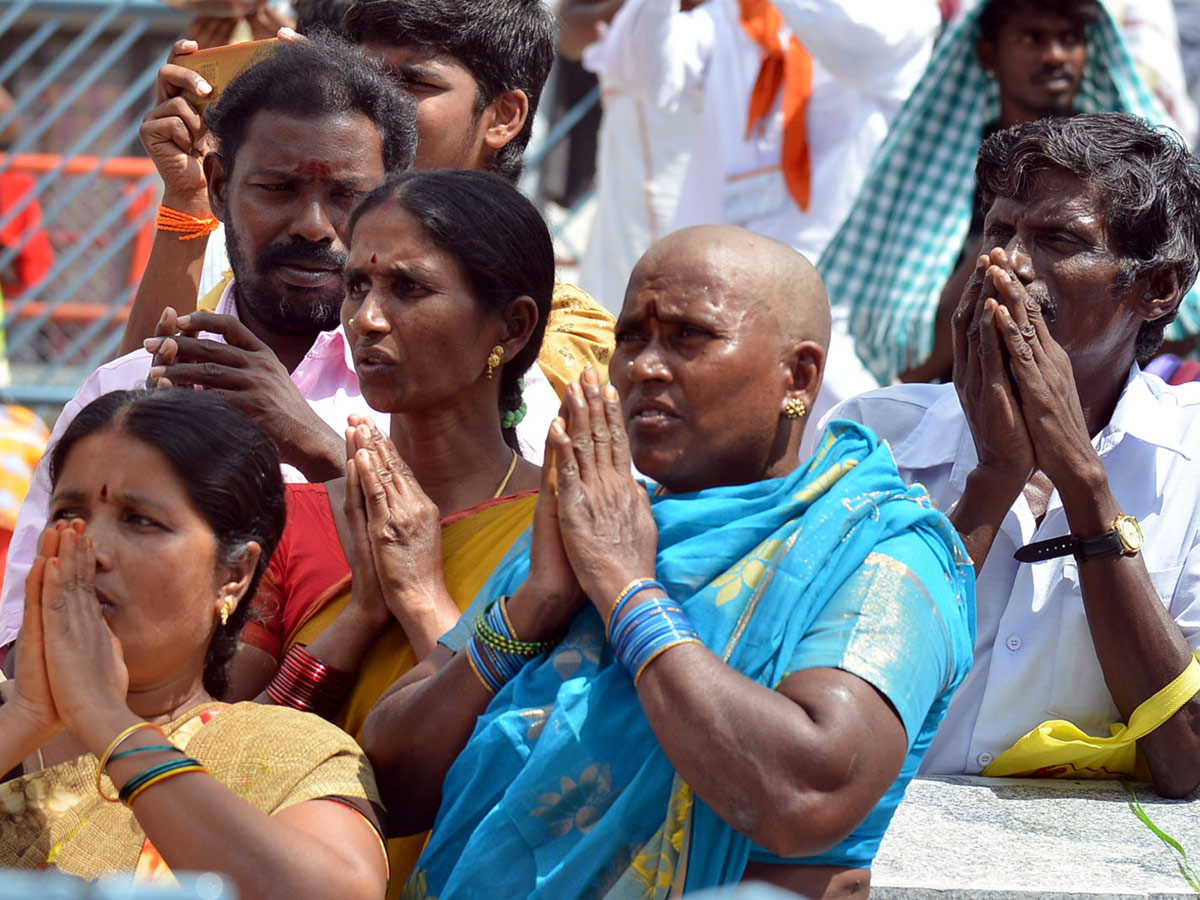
325,378
642,156
1034,658
867,57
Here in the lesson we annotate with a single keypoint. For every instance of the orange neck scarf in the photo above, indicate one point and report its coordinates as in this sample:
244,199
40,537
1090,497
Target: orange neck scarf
790,68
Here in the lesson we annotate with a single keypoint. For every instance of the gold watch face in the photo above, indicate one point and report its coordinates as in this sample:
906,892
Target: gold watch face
1129,532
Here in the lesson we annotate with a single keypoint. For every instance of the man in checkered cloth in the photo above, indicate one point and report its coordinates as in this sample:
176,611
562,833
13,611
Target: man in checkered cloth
890,262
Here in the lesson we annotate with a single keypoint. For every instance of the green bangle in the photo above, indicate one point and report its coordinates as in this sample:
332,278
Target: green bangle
138,780
134,750
505,643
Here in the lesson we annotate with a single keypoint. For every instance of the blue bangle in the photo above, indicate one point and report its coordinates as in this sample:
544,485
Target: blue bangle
631,590
138,780
649,629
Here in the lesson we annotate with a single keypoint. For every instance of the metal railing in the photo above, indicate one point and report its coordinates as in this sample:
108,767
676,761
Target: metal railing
82,73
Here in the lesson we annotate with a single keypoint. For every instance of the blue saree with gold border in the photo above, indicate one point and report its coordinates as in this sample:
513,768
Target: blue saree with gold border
562,790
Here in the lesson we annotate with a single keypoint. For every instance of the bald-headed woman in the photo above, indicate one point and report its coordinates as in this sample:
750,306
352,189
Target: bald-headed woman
730,672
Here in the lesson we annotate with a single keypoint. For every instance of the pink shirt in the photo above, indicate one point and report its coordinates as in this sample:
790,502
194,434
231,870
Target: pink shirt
325,378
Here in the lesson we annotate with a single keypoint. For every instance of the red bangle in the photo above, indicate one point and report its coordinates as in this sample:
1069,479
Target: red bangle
304,682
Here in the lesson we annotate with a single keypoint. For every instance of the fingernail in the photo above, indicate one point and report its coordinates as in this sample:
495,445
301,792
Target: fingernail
157,371
286,32
183,321
610,393
558,426
204,88
152,344
590,376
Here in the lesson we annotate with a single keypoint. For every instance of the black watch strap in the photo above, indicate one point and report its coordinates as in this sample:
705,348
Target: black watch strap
1039,550
1107,544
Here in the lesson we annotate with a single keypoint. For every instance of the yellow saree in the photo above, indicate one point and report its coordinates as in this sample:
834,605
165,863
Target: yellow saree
272,756
473,543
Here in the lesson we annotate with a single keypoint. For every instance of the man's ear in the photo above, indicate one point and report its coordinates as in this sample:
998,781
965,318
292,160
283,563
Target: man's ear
214,174
985,52
1158,293
804,364
520,320
508,112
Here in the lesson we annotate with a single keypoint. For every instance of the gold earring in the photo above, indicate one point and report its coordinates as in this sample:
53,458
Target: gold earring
350,322
794,408
493,359
226,609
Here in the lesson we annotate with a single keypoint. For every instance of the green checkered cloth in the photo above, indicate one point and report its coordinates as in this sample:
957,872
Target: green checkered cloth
891,258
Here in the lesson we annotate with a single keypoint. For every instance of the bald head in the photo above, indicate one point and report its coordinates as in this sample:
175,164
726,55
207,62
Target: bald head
743,271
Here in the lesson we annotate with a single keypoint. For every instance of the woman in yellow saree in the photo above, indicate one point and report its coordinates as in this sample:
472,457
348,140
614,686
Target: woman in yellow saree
125,762
448,287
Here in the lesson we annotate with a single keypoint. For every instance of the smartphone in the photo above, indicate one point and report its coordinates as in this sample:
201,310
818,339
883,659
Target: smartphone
221,65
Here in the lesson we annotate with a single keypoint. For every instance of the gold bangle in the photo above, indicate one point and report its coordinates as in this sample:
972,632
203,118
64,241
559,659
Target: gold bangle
116,742
660,651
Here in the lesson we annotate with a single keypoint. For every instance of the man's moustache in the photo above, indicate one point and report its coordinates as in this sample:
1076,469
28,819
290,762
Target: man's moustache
317,256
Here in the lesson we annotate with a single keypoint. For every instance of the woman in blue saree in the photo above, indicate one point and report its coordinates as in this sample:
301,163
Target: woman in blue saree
732,676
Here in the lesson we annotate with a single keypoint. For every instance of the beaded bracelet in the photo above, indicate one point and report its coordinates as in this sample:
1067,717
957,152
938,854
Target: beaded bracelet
153,775
116,742
304,682
495,630
631,590
648,630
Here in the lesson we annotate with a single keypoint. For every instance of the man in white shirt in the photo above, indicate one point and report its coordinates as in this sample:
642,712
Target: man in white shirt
789,119
1051,431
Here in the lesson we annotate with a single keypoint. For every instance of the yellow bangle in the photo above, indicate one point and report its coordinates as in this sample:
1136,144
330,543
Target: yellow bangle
163,777
116,742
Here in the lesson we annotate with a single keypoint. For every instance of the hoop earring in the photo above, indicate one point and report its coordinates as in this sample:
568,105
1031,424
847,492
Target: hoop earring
794,408
493,359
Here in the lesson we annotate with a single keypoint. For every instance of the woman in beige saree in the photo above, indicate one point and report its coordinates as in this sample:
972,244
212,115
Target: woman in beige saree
132,610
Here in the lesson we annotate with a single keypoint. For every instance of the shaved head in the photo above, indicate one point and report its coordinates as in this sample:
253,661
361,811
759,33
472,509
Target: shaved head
722,337
762,276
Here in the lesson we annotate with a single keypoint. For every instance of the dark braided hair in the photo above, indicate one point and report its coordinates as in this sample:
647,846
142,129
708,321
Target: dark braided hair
499,239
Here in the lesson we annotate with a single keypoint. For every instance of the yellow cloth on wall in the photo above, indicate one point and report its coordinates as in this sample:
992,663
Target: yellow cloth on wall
1060,749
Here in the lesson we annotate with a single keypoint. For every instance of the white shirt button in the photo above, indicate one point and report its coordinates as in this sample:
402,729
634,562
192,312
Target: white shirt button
1013,643
984,760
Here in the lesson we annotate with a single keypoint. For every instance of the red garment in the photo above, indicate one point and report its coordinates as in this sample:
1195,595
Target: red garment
1188,370
308,566
37,256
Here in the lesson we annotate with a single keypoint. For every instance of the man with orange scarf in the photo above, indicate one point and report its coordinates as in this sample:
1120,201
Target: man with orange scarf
794,99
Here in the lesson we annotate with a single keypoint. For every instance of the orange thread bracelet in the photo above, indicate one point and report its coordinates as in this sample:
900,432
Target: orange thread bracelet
188,227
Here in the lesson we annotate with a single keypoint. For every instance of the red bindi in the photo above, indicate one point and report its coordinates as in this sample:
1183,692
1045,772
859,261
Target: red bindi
374,256
103,493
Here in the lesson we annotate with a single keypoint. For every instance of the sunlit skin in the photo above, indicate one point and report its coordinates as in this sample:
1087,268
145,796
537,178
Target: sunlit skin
290,194
157,579
688,366
1037,59
1060,248
449,125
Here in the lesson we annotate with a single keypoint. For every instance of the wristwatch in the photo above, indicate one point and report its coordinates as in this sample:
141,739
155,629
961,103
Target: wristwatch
1125,539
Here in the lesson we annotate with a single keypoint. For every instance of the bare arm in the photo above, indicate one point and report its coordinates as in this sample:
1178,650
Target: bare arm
1138,644
580,20
176,139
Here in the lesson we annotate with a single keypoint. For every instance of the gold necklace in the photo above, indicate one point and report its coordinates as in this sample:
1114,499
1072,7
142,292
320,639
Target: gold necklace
512,467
